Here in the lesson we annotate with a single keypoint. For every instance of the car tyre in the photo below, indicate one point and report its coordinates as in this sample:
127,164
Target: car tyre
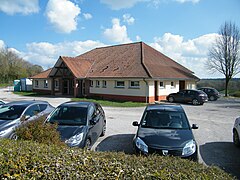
195,102
236,139
88,144
14,136
103,130
171,99
212,98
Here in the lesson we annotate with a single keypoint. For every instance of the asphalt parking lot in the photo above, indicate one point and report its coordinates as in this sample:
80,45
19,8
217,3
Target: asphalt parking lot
214,136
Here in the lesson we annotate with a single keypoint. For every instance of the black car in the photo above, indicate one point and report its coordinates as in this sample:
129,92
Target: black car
212,93
164,129
79,123
195,97
17,113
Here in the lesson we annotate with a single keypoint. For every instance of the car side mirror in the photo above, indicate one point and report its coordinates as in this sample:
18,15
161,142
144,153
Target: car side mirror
135,123
194,126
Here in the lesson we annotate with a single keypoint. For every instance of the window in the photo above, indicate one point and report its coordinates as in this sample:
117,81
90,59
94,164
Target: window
134,84
56,84
45,83
172,84
104,85
32,110
91,83
120,84
97,83
161,84
36,83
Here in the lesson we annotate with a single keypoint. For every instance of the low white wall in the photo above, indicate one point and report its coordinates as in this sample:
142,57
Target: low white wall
41,84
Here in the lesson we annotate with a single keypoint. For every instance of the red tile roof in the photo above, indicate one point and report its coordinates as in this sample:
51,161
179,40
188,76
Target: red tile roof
135,60
42,75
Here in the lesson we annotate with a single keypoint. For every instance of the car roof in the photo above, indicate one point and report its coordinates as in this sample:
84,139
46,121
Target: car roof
25,103
77,103
165,107
206,88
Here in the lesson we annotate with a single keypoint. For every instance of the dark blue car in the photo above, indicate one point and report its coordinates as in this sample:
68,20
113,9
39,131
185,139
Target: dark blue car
80,123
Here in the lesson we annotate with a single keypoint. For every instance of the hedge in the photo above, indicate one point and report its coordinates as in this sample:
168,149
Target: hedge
31,160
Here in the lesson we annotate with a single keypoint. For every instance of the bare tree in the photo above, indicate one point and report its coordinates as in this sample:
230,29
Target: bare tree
224,55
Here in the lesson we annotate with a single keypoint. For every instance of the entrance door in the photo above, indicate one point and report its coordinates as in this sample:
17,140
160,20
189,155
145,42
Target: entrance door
65,86
155,90
181,85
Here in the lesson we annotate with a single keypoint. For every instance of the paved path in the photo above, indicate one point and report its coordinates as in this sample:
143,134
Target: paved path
6,94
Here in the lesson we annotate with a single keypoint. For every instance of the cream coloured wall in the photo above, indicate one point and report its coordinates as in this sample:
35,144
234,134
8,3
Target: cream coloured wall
113,90
142,90
41,84
167,88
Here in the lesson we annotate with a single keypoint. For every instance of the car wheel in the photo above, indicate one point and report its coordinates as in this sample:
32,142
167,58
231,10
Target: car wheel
171,99
88,144
195,102
14,136
236,139
103,130
212,98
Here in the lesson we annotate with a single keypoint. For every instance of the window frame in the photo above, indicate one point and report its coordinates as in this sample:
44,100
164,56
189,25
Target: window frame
97,83
134,86
118,81
104,83
45,82
36,83
161,86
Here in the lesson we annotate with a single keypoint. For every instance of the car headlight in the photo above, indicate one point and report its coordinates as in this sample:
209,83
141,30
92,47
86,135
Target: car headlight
141,145
75,140
189,148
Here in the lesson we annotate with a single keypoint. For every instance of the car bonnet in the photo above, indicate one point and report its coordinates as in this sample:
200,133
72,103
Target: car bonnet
159,138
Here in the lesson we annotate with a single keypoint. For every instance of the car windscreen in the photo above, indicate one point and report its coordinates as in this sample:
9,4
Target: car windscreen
69,115
165,120
11,112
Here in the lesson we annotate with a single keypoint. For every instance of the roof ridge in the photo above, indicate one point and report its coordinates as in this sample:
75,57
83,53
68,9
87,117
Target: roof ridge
109,46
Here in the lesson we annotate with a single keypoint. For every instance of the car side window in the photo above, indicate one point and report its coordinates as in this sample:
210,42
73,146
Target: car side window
91,112
42,107
32,110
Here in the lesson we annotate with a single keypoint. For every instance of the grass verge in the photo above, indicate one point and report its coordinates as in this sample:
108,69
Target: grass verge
112,103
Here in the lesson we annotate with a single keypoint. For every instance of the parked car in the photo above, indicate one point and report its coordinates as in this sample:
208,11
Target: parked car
1,103
212,93
17,113
79,123
164,129
188,95
236,132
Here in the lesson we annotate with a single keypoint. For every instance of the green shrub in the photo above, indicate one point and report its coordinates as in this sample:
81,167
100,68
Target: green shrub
40,132
31,160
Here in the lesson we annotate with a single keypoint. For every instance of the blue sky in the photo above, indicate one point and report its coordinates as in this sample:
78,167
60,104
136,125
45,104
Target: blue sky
42,30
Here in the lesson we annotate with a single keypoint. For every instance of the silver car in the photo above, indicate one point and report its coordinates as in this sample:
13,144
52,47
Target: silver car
15,114
236,132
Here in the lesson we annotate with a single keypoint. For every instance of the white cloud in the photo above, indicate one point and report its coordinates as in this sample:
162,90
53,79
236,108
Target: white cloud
62,14
192,53
25,7
138,38
2,44
117,33
128,19
87,16
46,54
